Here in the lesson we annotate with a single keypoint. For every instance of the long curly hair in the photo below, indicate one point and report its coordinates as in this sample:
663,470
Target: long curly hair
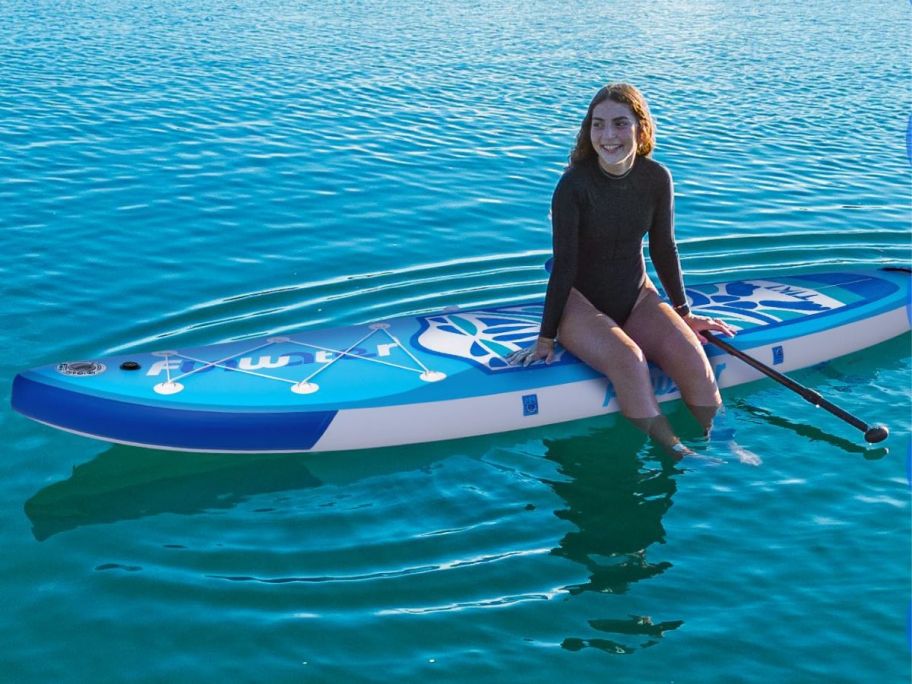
624,93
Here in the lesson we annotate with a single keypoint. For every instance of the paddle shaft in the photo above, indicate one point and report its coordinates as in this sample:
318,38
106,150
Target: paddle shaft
806,393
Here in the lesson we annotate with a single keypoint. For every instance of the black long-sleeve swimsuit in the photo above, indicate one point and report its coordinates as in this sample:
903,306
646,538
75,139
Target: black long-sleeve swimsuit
599,223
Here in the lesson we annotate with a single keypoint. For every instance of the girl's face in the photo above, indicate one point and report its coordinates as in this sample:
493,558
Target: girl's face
614,136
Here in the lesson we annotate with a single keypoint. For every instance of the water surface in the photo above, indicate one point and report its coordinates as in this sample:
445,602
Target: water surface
186,173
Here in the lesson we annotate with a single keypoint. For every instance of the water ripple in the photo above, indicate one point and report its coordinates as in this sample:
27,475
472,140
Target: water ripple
391,574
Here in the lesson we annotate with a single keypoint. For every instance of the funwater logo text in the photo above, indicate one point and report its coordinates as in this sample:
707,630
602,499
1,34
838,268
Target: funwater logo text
264,362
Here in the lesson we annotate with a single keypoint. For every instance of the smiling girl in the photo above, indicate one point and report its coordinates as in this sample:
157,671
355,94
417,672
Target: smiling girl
600,304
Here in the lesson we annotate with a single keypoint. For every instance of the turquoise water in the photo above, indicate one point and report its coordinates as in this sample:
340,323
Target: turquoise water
180,173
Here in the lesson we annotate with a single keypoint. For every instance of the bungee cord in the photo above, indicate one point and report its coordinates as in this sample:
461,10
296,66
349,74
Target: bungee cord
172,385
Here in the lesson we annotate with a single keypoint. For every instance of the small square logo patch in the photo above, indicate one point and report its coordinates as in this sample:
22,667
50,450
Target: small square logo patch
778,355
530,404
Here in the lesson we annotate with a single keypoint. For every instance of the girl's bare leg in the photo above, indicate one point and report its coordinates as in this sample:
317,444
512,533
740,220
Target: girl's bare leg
669,342
598,341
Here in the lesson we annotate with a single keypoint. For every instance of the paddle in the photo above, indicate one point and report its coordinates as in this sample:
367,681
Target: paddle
872,433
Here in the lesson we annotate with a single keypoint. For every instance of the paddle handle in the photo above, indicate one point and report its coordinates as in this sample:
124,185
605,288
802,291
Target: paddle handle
873,433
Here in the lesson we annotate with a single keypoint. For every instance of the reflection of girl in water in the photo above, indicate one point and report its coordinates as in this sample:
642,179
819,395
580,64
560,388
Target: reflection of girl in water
617,507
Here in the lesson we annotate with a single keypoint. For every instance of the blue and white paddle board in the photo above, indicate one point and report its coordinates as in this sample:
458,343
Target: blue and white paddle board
431,377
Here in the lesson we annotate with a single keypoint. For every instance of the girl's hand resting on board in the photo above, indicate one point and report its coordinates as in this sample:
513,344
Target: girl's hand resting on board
542,349
700,323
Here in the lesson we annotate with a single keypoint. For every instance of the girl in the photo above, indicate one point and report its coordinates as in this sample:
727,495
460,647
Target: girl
599,302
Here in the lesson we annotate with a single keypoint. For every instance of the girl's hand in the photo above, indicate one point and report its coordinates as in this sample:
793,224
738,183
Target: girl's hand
700,323
542,349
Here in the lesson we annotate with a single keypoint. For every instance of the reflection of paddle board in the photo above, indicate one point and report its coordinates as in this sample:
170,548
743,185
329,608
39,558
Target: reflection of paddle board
432,377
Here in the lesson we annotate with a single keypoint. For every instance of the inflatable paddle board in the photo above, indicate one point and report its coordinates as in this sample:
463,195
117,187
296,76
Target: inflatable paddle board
431,377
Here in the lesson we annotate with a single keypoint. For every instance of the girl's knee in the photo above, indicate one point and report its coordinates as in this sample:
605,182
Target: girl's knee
628,361
696,365
698,387
684,353
691,371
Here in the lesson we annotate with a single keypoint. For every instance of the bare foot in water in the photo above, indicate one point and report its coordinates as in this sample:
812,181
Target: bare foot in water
678,452
744,455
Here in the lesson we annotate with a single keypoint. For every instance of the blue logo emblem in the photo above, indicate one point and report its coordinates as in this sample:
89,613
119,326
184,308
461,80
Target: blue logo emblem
759,302
484,336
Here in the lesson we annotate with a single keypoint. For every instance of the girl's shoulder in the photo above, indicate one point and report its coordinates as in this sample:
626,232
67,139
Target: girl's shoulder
655,172
576,177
